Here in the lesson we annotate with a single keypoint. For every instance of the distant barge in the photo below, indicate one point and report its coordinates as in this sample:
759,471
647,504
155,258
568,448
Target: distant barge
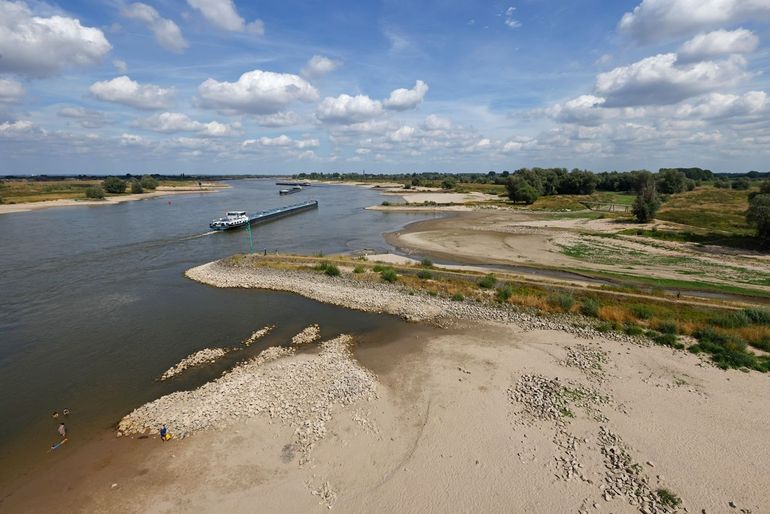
291,190
237,219
302,184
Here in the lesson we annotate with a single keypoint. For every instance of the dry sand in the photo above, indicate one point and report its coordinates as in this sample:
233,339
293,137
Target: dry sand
481,417
110,200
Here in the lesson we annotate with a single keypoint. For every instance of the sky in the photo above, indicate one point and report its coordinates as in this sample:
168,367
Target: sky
223,86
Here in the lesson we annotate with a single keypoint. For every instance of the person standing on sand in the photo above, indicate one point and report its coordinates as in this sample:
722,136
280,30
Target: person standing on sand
62,430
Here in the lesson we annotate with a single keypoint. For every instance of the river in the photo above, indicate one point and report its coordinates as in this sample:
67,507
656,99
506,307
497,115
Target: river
94,305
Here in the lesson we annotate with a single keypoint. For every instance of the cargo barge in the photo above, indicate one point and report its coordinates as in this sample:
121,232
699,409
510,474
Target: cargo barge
237,219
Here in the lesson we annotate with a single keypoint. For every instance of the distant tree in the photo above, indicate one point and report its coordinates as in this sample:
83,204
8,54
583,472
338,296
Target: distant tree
149,182
114,185
519,190
95,193
578,183
448,183
722,184
136,187
758,215
741,184
671,181
647,202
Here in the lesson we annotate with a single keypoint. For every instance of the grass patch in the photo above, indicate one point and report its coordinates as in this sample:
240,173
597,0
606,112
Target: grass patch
504,293
668,498
332,270
458,297
641,311
727,350
562,301
488,282
424,274
359,269
388,275
590,308
426,263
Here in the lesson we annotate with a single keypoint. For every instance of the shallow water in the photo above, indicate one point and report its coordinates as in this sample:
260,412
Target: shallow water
94,305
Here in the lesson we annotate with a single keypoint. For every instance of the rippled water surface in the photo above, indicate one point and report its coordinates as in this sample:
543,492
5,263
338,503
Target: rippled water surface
94,306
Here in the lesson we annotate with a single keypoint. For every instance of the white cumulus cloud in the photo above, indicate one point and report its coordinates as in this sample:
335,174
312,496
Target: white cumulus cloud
717,44
39,46
125,91
348,109
223,14
279,119
10,91
282,141
659,80
403,99
257,92
318,66
170,122
722,106
86,118
167,33
656,20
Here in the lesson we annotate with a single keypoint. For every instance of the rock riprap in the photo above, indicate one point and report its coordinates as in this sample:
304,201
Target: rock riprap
205,356
299,392
308,335
259,334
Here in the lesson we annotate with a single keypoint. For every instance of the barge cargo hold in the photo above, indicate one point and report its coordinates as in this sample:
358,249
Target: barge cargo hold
258,217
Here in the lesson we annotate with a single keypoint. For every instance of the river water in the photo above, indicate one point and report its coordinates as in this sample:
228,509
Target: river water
94,305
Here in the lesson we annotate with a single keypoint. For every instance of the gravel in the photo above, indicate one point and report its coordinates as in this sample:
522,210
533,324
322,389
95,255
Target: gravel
308,335
296,392
262,332
207,355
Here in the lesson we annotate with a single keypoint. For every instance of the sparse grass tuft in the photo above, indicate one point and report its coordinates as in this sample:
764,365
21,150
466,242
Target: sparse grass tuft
504,293
359,269
668,498
424,274
332,270
563,301
736,319
389,275
641,311
668,327
590,307
426,263
457,297
757,316
488,282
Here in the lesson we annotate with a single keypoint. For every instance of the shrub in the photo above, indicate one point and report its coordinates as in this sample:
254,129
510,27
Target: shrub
604,327
136,187
563,301
321,266
149,182
641,311
426,263
95,192
665,339
757,316
633,329
504,293
114,185
668,327
424,274
736,319
432,293
385,203
727,351
457,297
359,269
388,275
332,270
378,267
668,498
647,202
590,308
488,282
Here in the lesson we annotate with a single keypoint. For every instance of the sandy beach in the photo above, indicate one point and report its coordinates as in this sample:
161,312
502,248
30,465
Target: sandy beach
110,200
471,409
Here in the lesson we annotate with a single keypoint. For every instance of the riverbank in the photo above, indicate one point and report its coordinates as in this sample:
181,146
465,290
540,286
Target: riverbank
110,200
482,415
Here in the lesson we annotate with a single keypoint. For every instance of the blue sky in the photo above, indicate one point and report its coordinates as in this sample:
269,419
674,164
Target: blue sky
216,86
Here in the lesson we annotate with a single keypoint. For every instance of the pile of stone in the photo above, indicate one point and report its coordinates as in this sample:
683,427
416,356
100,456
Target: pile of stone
297,392
589,360
207,355
308,335
624,477
543,398
262,332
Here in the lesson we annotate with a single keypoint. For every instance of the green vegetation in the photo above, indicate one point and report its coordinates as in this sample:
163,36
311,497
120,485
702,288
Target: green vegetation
488,282
388,275
504,293
712,209
647,203
590,308
95,193
426,263
114,185
149,182
563,301
424,274
458,297
668,498
332,270
758,214
136,187
359,269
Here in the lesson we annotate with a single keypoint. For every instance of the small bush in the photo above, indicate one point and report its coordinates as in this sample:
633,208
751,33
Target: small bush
727,351
668,327
426,263
457,297
332,270
359,269
321,266
136,187
388,275
665,339
757,316
590,308
149,182
386,203
504,293
641,311
114,185
424,274
604,327
378,268
668,498
432,293
736,319
488,282
563,301
633,329
95,193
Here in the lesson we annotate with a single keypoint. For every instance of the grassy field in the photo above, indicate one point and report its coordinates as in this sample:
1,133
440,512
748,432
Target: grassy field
724,333
709,209
23,191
